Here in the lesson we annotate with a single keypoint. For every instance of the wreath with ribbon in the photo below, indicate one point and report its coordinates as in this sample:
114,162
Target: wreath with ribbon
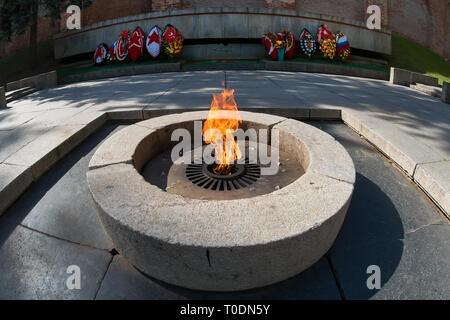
271,43
172,41
342,46
121,46
308,44
327,42
100,54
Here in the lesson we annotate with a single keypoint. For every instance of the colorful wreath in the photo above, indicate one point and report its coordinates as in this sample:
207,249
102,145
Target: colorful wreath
327,42
308,44
136,44
342,46
121,47
288,38
172,41
269,43
111,56
153,42
100,54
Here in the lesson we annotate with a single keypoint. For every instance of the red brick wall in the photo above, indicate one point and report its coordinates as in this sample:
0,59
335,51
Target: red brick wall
352,9
45,30
161,5
424,21
281,4
102,10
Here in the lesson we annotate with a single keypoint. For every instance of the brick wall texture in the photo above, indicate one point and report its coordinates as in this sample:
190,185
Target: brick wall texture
424,21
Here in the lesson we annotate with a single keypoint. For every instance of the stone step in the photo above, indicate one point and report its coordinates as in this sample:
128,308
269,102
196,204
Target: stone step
19,93
428,86
429,90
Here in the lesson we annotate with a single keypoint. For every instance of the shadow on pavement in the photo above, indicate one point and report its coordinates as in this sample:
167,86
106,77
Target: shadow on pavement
372,234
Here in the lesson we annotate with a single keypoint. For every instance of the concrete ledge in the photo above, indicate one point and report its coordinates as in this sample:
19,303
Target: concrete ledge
424,79
33,160
434,179
2,97
325,114
122,71
211,245
428,90
401,77
153,113
297,113
22,83
20,93
419,162
46,80
42,153
290,66
446,93
14,180
396,145
295,66
40,81
406,78
124,113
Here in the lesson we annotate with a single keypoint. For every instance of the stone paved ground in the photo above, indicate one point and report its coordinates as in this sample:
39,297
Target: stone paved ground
390,223
413,129
54,223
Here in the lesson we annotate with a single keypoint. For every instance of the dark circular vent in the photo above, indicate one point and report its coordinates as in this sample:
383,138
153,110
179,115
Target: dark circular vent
241,176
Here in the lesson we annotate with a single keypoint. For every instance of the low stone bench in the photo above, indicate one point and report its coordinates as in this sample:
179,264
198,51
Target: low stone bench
445,97
297,66
429,90
19,84
400,77
424,79
406,78
46,80
40,81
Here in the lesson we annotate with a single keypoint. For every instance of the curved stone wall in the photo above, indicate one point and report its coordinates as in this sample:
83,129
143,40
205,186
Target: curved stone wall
221,23
423,21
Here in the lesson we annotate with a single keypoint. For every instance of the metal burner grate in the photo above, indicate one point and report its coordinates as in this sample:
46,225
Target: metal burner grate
241,176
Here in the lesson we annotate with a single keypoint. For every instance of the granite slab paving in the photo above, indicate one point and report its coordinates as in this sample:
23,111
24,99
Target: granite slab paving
420,271
34,266
60,205
125,282
12,141
395,228
390,223
410,128
15,120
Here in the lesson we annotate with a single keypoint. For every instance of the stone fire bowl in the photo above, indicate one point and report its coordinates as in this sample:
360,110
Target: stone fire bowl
221,245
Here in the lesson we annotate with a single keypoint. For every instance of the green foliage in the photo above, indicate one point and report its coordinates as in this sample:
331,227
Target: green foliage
16,15
409,55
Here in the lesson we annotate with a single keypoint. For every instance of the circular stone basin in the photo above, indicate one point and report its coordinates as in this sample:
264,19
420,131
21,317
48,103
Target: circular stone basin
221,245
173,177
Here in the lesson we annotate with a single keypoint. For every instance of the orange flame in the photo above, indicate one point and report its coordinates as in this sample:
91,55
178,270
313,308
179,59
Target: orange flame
223,120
